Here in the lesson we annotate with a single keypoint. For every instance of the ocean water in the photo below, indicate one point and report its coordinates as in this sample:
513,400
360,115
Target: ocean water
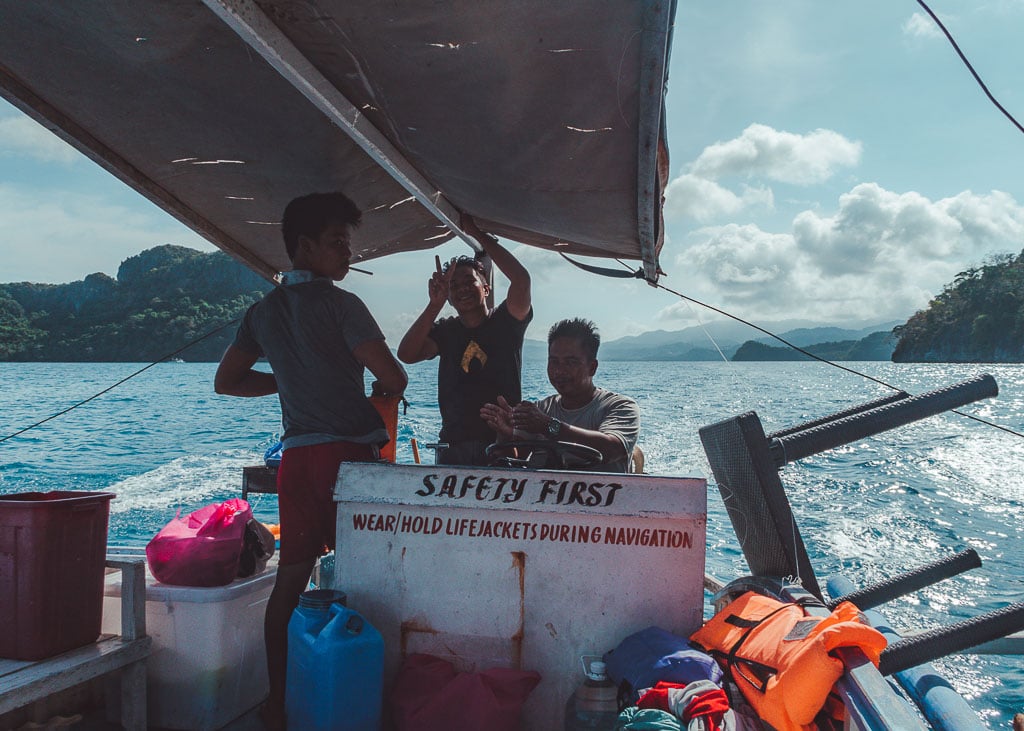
163,441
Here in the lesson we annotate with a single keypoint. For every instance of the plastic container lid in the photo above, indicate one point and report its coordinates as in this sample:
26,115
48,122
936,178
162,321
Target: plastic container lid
598,670
322,599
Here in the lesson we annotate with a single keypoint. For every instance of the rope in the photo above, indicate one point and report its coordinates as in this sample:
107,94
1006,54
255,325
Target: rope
969,66
818,358
696,313
126,378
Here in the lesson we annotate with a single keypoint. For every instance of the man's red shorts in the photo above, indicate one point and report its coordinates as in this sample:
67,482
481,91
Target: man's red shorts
305,496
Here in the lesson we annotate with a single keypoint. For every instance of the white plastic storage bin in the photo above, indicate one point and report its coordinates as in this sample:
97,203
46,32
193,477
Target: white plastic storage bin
208,665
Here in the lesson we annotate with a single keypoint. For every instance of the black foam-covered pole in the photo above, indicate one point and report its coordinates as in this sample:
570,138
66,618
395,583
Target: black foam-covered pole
852,428
897,396
881,592
910,652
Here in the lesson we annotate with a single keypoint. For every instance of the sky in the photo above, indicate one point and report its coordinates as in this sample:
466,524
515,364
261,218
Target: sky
832,163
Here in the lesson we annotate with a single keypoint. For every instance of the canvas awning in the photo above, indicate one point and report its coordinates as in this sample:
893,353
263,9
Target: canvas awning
544,120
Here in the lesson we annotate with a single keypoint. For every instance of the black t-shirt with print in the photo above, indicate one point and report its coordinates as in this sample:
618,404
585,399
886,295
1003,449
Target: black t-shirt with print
477,365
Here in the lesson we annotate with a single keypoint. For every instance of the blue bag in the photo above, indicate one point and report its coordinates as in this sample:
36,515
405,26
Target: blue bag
653,654
272,457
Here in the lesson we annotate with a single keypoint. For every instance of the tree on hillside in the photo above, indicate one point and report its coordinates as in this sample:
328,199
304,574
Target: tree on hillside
16,331
979,317
162,299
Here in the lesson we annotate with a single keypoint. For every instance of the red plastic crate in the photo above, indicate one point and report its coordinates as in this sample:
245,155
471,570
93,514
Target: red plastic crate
53,549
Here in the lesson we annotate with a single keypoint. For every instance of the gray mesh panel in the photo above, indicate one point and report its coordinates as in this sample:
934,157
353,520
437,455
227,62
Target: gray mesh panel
756,500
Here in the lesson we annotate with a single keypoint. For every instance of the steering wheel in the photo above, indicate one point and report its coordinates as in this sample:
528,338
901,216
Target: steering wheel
543,454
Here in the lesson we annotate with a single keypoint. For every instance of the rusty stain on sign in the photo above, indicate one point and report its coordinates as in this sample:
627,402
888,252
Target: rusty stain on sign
413,626
519,564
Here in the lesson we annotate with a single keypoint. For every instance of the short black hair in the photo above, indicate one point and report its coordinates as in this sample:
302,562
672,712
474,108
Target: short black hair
310,214
466,261
582,331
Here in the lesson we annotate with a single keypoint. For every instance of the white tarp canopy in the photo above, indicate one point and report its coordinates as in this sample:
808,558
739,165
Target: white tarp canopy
544,120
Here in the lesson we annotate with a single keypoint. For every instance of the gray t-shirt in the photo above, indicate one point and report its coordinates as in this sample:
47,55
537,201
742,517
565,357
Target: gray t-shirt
608,413
307,331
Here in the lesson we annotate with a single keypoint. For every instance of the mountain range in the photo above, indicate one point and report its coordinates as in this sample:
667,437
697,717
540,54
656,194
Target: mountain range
734,341
168,296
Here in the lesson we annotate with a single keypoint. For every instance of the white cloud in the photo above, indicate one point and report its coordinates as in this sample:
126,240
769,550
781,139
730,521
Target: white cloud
396,325
876,228
23,136
741,261
544,266
992,221
781,156
690,196
60,236
760,152
920,25
882,255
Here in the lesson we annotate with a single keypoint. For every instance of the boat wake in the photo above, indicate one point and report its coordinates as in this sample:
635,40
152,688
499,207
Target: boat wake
146,502
182,483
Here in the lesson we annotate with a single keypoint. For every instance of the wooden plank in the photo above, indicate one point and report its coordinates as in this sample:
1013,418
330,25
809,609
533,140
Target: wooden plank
133,595
133,697
24,682
713,584
40,679
12,666
259,478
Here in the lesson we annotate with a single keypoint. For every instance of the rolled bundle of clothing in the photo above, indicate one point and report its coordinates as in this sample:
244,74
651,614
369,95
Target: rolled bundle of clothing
667,684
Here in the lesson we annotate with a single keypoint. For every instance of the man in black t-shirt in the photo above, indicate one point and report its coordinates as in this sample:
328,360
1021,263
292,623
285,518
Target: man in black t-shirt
481,349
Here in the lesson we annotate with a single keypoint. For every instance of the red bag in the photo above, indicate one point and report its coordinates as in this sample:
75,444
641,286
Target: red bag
201,549
430,696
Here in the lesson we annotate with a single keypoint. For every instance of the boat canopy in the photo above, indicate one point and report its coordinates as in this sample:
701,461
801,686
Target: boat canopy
544,120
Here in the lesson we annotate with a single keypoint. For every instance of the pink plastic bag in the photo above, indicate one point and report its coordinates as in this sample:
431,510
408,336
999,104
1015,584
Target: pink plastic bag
201,549
429,695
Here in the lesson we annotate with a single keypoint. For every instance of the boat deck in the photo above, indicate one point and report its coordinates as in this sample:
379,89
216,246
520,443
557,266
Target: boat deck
97,721
24,682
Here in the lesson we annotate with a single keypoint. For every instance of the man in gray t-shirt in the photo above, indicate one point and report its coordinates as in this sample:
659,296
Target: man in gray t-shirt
580,412
319,340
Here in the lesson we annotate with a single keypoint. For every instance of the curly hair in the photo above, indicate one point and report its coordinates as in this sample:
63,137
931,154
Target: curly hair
465,261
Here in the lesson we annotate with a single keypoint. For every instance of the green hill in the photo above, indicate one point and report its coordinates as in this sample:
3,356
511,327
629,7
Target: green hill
876,346
161,299
979,318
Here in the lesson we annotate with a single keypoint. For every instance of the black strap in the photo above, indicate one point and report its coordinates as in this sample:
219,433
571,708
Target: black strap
604,271
762,672
731,657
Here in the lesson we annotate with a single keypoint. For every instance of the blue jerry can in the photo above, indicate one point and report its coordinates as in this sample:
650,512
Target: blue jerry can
335,669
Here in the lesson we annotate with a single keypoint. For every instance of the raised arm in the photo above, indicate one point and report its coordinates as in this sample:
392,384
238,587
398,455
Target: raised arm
376,358
416,344
236,377
518,299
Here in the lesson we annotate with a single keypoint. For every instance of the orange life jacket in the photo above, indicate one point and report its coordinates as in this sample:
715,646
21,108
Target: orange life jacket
779,657
387,407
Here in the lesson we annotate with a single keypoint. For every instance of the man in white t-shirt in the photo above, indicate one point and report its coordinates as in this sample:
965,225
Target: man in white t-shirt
580,412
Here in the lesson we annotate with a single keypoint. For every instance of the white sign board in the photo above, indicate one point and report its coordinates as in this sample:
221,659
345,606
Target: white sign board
526,569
